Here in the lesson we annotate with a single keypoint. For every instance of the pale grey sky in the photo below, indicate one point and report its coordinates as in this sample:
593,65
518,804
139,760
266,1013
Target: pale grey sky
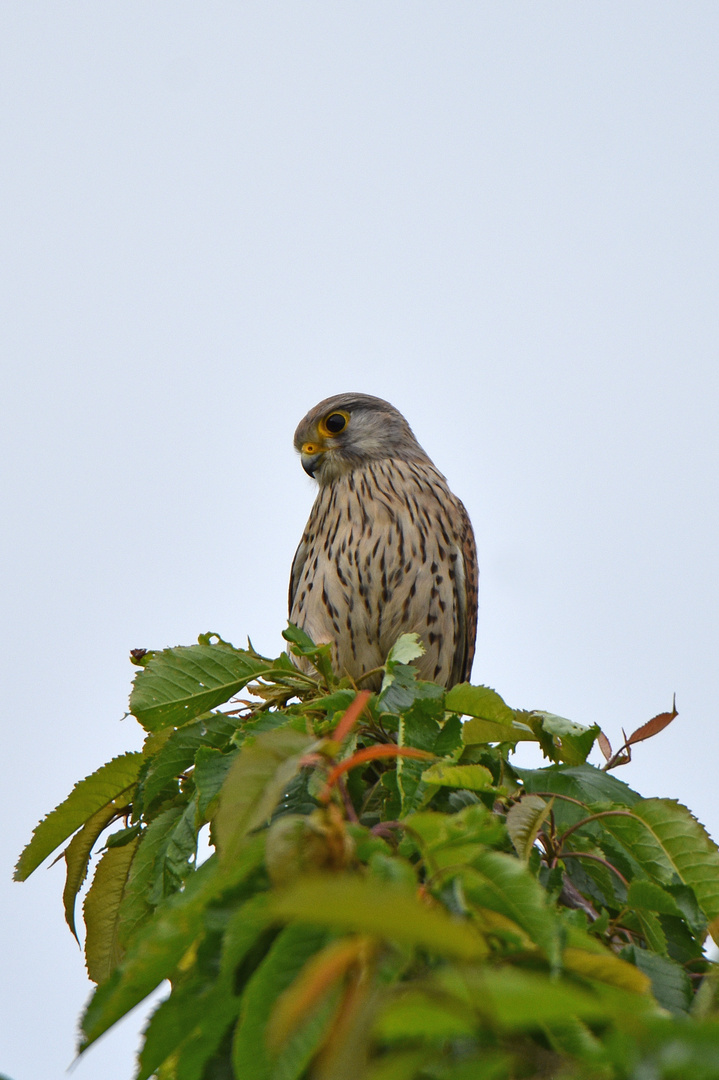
501,217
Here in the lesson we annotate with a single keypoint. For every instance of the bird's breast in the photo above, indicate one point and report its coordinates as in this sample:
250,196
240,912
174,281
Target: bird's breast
380,560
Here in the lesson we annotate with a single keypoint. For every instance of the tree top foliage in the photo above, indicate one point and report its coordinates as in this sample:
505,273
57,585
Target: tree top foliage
387,897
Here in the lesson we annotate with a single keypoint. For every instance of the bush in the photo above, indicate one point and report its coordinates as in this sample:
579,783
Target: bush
388,897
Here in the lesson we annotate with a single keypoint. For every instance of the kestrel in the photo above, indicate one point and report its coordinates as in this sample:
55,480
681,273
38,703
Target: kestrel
388,549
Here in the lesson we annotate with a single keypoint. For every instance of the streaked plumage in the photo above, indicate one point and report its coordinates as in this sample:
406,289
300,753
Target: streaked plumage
388,549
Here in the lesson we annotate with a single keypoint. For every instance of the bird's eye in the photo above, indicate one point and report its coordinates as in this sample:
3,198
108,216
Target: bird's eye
335,422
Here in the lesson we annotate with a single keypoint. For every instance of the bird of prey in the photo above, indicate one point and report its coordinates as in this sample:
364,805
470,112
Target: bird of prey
388,549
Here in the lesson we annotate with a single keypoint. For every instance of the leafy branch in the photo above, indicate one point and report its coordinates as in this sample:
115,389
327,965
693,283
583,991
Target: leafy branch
387,894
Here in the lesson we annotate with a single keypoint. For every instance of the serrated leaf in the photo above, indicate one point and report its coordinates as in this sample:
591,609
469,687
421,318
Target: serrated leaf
503,884
652,727
101,911
77,857
667,840
173,864
420,730
582,782
686,901
472,777
181,683
374,907
160,944
178,751
136,904
524,820
88,796
572,741
652,931
449,740
256,781
211,769
479,701
647,895
400,688
670,983
406,648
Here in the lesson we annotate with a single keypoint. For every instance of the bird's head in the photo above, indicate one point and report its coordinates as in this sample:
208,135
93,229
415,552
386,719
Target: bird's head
349,430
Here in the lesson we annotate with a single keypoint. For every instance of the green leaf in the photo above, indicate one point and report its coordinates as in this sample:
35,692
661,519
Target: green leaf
416,1014
211,769
259,775
160,944
651,930
191,1023
502,883
101,910
524,820
493,720
514,999
449,740
451,841
479,701
573,1038
96,791
477,732
173,1024
582,782
123,836
178,752
572,742
406,648
372,906
419,729
472,777
244,927
400,688
181,683
687,903
77,857
598,964
286,958
406,1065
172,864
648,896
400,685
670,844
320,656
136,904
670,983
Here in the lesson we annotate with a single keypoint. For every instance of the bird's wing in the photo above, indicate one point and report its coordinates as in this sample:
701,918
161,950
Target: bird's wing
467,586
298,565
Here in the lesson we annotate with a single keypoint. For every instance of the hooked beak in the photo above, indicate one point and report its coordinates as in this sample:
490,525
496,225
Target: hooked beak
310,456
